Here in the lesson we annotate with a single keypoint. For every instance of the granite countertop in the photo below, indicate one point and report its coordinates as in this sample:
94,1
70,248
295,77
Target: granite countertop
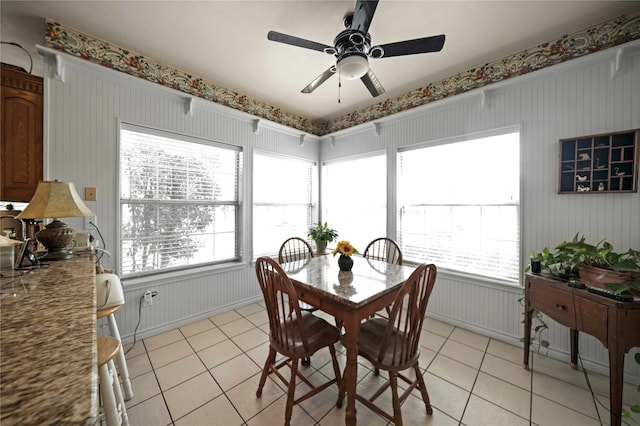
48,370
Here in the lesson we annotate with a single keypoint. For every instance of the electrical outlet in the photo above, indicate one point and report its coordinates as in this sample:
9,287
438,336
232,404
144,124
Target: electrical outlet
88,220
148,297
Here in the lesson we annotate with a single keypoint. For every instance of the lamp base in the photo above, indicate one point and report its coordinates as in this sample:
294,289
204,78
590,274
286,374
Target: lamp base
56,254
56,238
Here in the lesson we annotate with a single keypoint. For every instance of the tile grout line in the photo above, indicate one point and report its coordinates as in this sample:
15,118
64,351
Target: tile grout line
475,380
153,369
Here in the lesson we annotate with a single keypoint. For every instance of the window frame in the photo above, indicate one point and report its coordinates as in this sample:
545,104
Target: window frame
311,205
351,186
237,204
515,280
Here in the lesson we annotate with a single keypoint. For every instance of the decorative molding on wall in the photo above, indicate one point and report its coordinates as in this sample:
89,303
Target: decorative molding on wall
611,33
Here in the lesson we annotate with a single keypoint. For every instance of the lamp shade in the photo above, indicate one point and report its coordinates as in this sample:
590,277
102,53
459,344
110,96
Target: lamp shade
54,199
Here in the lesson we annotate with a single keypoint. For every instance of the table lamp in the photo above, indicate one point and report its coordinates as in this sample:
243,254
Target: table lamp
54,199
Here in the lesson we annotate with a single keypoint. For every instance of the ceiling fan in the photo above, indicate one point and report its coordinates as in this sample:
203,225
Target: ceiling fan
352,48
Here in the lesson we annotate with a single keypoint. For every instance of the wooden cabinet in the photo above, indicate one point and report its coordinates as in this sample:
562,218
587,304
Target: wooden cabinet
21,155
600,163
612,322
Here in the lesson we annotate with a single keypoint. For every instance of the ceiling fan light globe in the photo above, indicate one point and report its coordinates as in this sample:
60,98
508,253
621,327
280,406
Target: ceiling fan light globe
353,67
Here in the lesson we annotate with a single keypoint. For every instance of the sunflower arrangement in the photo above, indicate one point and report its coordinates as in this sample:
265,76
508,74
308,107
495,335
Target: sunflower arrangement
345,249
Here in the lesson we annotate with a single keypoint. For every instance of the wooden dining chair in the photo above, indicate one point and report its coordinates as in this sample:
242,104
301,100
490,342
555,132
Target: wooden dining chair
393,345
294,248
292,333
384,249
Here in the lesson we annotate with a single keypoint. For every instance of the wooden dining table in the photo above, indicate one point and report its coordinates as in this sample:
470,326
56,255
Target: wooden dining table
350,297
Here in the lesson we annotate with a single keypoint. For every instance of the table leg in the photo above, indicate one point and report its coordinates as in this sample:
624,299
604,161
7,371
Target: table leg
573,336
616,378
527,335
352,328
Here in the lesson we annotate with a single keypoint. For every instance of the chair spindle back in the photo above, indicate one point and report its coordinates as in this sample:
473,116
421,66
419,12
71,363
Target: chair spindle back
384,249
407,316
283,309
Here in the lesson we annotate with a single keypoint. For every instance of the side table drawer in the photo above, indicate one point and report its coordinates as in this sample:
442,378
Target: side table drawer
557,304
592,318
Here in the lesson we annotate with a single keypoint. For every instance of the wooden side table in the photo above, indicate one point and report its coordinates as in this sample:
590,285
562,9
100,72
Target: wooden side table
616,324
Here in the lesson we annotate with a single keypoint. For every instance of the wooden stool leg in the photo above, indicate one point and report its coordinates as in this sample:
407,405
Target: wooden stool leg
122,362
108,398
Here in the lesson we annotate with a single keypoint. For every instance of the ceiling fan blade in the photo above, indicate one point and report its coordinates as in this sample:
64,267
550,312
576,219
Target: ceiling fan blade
319,80
412,47
372,83
296,41
363,15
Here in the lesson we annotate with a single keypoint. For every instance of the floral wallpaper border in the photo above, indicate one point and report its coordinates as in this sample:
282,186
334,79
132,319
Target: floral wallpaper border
612,33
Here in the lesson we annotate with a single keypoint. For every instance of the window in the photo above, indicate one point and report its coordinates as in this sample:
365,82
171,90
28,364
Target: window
354,200
459,205
284,200
179,201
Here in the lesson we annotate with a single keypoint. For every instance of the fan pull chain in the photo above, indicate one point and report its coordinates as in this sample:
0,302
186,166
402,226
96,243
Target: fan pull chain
339,86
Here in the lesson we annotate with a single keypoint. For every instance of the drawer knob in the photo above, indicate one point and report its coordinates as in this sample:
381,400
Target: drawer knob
560,307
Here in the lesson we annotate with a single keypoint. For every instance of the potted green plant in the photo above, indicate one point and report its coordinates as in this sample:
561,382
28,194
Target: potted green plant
597,265
322,234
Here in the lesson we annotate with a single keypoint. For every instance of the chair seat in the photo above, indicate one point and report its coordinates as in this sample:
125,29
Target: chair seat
319,335
372,337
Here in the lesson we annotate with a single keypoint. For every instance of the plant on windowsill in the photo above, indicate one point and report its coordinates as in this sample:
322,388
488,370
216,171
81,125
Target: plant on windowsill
322,234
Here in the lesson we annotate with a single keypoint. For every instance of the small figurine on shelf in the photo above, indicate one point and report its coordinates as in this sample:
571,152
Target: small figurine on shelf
581,178
584,156
582,188
601,186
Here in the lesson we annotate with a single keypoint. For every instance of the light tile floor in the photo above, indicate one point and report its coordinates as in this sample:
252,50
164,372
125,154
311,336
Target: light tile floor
206,373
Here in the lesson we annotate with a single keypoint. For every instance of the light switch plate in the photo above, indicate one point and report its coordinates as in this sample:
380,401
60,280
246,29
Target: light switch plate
89,193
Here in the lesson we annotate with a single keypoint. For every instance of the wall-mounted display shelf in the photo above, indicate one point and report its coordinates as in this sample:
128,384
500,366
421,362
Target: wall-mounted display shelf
599,163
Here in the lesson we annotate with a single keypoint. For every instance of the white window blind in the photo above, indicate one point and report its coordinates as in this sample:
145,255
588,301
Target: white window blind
284,200
354,199
179,201
459,206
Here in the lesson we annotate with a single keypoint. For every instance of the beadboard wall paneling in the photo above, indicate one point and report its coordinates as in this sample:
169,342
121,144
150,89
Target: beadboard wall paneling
572,99
575,98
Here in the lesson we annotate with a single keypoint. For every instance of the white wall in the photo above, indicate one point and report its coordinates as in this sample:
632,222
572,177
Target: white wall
576,98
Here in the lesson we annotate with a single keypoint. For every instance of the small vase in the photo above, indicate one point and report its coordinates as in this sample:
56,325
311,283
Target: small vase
345,263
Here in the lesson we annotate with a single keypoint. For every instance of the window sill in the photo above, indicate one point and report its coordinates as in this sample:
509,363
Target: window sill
516,287
132,283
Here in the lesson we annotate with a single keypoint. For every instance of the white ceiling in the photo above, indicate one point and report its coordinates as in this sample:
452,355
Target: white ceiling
225,42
